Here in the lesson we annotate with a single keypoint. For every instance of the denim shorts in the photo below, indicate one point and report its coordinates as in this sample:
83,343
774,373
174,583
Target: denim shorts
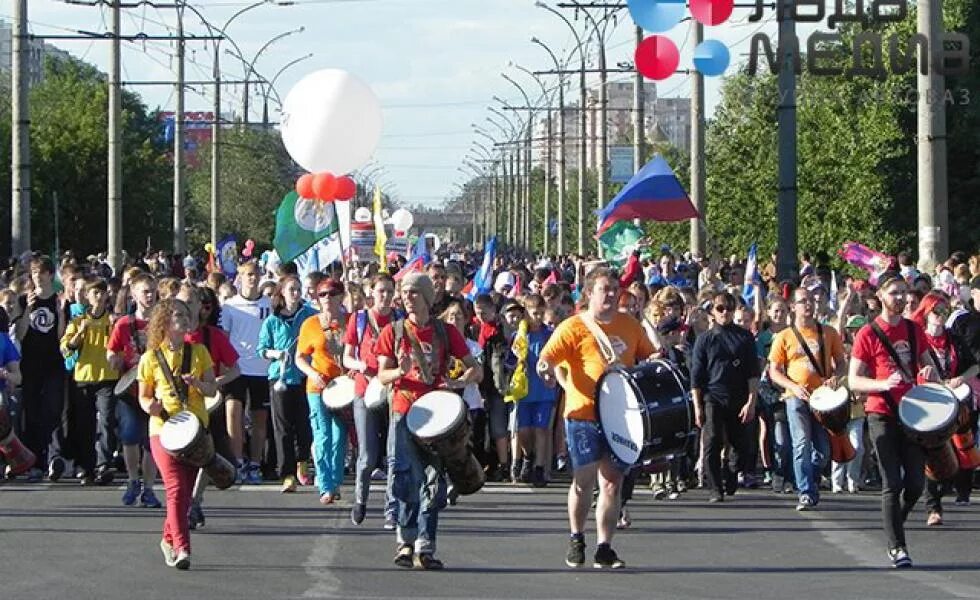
133,423
587,444
534,414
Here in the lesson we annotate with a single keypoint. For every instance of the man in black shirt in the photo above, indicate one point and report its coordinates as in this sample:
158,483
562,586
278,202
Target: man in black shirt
965,328
724,379
43,368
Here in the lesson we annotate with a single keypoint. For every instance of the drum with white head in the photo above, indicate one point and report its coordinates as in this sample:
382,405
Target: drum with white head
376,394
126,382
339,393
645,412
438,422
831,408
928,414
184,437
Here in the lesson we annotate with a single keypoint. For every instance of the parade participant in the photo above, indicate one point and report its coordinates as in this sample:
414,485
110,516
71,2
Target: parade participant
290,411
415,360
848,475
43,369
242,316
535,411
187,379
203,305
804,357
127,342
724,378
931,315
774,440
495,382
319,354
885,364
92,425
577,354
362,332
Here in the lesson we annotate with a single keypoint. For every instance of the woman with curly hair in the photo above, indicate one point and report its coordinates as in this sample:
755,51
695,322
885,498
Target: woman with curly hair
188,379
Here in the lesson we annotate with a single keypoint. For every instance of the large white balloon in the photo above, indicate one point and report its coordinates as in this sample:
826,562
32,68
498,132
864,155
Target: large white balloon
331,121
402,220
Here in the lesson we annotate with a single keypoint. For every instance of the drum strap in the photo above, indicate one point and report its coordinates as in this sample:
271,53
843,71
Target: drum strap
894,355
819,366
428,371
134,333
942,365
178,385
602,340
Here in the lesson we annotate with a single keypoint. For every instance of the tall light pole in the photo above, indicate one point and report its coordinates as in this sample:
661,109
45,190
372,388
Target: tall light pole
697,236
582,148
933,200
546,230
114,172
251,65
180,234
271,86
560,209
20,151
526,226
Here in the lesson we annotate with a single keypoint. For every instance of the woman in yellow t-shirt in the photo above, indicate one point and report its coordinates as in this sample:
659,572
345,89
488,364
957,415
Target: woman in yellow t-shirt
169,321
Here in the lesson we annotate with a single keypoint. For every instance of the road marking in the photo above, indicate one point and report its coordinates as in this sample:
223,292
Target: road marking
319,564
866,550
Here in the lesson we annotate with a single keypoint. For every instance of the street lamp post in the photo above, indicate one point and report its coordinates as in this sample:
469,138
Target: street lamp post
582,125
560,209
271,87
251,66
547,156
526,203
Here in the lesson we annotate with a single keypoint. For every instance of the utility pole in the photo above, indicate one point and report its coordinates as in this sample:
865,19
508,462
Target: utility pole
786,122
639,116
115,207
528,182
180,242
933,201
20,151
582,150
216,149
547,182
697,150
515,192
560,209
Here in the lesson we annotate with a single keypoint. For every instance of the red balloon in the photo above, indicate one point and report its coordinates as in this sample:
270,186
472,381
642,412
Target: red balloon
325,186
304,186
657,57
346,188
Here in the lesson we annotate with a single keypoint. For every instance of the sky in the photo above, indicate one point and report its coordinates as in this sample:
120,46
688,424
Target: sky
434,64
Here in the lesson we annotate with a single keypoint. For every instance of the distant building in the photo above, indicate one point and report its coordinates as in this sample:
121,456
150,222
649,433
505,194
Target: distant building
39,51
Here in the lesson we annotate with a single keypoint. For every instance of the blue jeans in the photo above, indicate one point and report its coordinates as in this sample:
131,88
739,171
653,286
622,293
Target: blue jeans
369,425
811,446
417,485
782,450
329,445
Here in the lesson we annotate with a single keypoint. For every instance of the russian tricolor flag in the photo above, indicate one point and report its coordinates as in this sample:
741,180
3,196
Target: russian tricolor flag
653,194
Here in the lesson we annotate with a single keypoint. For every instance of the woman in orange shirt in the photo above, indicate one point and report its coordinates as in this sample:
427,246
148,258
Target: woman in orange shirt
319,352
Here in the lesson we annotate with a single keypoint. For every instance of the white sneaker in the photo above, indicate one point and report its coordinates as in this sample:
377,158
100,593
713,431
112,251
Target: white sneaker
183,560
168,553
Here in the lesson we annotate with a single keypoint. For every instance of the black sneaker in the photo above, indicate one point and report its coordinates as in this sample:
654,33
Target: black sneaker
357,513
716,497
56,469
427,562
576,553
525,474
731,483
104,475
404,557
537,477
195,516
900,558
605,558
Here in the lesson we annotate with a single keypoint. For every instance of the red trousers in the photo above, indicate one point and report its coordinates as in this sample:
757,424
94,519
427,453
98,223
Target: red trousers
178,481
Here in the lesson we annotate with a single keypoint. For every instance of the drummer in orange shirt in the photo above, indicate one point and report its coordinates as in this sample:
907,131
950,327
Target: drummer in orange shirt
577,358
800,372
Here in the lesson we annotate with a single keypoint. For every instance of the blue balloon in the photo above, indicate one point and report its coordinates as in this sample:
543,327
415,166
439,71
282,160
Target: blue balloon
657,16
711,58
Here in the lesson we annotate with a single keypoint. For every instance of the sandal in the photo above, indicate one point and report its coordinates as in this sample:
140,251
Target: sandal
327,498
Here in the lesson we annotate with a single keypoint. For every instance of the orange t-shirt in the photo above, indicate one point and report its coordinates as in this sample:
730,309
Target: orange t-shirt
315,342
788,354
573,346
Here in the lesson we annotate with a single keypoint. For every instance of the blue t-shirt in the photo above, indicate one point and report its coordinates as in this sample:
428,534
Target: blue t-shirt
8,353
537,391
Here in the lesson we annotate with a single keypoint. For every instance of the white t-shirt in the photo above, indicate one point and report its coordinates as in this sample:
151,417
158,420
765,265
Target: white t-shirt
471,393
242,319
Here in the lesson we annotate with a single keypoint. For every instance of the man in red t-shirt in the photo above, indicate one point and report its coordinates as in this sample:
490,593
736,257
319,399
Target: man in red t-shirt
874,372
417,485
127,342
363,329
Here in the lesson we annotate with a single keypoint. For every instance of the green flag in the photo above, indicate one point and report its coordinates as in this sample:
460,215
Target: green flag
300,223
619,241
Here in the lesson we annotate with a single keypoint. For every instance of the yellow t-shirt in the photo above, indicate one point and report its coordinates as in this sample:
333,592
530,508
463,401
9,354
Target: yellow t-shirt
788,354
92,365
150,373
573,346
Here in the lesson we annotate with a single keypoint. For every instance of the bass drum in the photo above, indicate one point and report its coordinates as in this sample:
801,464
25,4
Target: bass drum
645,412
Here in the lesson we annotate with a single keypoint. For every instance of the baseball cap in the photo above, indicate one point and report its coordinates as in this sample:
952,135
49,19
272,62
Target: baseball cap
856,322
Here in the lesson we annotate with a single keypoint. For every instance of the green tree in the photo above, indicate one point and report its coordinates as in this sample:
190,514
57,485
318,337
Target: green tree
256,172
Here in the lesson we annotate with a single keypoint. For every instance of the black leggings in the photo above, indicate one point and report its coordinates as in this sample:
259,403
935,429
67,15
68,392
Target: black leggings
902,465
291,423
721,420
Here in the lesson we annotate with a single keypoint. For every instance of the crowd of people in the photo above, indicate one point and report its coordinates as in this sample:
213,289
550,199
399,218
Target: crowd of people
96,361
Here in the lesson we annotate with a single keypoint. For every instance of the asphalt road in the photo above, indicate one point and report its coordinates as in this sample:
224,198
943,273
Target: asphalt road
64,541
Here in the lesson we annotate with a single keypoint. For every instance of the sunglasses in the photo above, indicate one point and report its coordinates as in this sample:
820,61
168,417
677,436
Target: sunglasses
326,293
722,308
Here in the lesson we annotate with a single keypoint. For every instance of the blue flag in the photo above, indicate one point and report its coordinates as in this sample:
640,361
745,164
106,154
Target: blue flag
227,252
421,249
483,280
752,277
